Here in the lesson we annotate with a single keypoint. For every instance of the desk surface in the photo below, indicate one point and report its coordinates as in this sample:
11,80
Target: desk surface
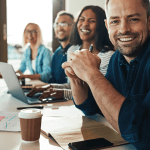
12,140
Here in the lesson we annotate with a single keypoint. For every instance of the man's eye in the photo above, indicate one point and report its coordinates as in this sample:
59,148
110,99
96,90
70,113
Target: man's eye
64,24
114,22
134,19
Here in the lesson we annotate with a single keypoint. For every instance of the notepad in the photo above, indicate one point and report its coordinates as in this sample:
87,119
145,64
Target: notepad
72,129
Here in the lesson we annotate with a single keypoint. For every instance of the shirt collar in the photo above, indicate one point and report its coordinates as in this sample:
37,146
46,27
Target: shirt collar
64,50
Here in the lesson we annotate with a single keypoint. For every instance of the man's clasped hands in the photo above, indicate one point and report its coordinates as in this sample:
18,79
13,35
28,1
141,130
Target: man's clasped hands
81,65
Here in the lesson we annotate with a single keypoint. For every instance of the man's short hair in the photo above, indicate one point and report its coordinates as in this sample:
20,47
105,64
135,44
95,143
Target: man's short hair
62,13
145,4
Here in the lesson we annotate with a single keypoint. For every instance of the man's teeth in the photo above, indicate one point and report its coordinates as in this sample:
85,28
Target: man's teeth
86,31
126,39
61,32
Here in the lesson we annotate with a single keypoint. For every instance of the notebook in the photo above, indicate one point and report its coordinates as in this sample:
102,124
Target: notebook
78,128
15,89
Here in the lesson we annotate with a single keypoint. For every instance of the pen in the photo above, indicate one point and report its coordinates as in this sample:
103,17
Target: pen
39,107
91,48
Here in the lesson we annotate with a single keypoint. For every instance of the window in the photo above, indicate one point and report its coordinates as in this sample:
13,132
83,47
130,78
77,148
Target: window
19,14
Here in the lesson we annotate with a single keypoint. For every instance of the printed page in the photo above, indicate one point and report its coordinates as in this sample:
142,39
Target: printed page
9,121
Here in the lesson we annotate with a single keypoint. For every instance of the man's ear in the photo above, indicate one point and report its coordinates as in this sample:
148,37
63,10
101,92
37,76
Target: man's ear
106,23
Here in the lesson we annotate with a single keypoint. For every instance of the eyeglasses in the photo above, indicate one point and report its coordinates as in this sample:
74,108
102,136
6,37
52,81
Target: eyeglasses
63,24
33,32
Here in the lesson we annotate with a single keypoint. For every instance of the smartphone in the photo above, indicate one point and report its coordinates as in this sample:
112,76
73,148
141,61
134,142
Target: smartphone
90,144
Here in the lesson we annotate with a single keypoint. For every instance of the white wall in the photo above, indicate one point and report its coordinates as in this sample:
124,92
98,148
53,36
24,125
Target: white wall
74,6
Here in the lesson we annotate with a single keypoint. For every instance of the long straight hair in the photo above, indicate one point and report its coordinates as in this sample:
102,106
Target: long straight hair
101,37
39,35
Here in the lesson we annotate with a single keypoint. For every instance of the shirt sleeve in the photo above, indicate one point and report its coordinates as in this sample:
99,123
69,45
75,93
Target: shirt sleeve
68,94
134,122
47,59
23,63
52,79
61,86
89,107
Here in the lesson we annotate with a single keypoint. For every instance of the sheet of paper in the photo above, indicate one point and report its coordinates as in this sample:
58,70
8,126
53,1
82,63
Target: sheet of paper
10,121
60,111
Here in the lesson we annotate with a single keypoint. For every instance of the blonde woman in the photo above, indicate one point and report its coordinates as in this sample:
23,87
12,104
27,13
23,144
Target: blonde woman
37,58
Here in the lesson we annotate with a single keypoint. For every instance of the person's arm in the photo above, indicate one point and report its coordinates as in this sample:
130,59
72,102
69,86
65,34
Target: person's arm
79,90
38,89
45,75
52,79
134,121
61,86
57,93
87,106
130,117
30,76
67,94
86,66
23,66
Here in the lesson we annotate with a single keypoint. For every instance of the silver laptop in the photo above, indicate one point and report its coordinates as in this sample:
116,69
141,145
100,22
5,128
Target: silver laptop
15,89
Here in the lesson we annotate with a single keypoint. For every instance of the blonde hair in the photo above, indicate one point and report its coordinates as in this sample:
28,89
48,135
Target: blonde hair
39,35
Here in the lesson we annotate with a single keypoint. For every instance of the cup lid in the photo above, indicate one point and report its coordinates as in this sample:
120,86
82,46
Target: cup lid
30,113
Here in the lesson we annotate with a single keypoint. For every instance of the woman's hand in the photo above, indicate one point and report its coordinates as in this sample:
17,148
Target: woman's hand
52,92
38,89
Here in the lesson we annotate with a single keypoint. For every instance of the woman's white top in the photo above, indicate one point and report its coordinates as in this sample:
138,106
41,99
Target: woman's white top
33,65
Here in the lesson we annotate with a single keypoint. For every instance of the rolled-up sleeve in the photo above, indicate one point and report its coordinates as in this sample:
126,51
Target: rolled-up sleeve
46,67
89,107
134,122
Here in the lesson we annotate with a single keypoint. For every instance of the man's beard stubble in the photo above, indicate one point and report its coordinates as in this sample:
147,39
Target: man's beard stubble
62,40
135,49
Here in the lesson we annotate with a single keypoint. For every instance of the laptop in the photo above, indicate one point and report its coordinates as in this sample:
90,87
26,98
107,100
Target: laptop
15,88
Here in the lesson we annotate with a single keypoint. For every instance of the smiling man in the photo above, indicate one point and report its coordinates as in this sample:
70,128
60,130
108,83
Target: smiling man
62,27
123,95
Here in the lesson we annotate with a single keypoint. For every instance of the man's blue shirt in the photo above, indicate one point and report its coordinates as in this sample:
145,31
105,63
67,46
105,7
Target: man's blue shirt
132,81
59,57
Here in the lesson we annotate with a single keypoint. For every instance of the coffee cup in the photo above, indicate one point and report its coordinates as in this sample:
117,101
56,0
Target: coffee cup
30,124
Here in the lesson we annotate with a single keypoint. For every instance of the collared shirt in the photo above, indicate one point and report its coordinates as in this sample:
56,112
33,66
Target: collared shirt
132,81
58,73
42,63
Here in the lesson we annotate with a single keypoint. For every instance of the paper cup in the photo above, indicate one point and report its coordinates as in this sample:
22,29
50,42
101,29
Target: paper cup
30,124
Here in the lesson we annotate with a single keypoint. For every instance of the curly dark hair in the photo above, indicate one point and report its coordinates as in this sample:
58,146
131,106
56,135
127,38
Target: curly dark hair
102,40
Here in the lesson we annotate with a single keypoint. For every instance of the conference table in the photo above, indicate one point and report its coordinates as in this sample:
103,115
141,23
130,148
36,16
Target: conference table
13,141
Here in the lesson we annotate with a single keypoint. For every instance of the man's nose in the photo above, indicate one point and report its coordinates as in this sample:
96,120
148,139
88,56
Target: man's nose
59,27
124,27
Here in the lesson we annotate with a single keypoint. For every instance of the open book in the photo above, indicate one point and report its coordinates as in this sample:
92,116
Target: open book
78,128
